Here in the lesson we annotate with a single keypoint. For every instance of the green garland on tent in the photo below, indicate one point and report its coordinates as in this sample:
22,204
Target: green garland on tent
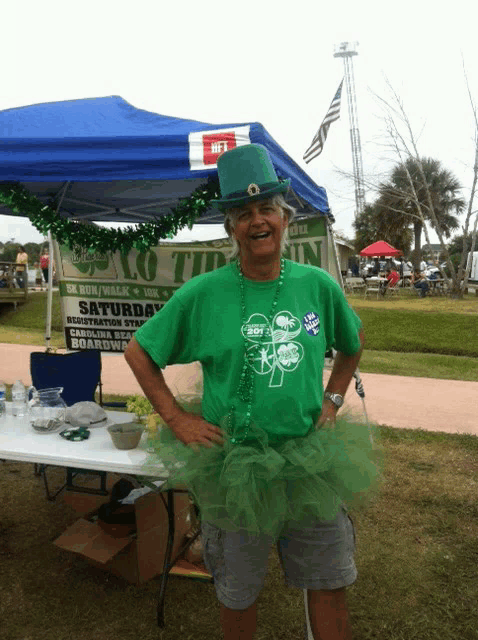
99,239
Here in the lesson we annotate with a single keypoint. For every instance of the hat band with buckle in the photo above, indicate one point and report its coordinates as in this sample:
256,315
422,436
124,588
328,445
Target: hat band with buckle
252,190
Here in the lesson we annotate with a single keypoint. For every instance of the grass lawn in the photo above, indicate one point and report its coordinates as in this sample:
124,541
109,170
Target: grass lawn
420,365
417,559
20,335
421,332
411,325
407,301
433,338
26,325
32,314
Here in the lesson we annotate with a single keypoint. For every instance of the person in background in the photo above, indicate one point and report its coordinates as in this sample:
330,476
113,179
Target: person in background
420,282
22,268
38,276
44,264
241,322
401,268
392,279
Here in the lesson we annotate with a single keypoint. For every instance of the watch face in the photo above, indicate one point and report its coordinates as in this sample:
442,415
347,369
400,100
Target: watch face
336,398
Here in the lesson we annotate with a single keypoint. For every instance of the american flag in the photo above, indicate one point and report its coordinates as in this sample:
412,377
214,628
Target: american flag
333,114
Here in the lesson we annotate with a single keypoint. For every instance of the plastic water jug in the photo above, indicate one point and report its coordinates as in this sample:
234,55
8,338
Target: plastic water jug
19,399
47,409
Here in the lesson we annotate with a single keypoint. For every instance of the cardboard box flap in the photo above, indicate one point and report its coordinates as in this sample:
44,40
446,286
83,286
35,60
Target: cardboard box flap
152,510
89,540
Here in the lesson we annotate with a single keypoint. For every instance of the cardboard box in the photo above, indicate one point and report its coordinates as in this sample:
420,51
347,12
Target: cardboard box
85,503
139,557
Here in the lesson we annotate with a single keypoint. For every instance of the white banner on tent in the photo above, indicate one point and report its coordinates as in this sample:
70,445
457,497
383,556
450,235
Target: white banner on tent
106,297
205,147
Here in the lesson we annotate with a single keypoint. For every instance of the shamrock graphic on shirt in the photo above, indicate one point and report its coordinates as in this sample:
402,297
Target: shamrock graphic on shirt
273,350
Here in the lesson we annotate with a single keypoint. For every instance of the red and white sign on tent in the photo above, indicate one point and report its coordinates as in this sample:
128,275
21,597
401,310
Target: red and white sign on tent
205,147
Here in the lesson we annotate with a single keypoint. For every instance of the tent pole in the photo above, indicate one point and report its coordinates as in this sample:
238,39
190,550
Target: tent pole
334,250
50,275
49,304
358,380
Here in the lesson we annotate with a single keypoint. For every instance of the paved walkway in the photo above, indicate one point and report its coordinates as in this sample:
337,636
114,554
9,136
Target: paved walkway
398,401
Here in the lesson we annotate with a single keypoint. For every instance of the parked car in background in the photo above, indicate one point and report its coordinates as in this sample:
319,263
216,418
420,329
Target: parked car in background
432,273
365,270
407,268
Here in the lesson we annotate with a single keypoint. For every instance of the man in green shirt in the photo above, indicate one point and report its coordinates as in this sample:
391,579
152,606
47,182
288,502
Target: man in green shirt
260,326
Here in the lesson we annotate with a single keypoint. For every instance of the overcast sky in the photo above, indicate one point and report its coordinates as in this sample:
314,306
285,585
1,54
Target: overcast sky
256,61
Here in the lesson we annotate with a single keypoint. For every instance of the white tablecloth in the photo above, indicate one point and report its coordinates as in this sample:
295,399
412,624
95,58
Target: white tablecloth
18,441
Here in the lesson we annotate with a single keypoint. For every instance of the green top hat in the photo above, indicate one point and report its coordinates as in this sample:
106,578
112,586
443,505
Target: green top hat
246,174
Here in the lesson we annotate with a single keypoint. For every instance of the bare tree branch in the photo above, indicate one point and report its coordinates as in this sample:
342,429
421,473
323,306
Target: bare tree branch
405,146
462,271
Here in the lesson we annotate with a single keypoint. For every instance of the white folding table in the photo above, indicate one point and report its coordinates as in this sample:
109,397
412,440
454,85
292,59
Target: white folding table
19,441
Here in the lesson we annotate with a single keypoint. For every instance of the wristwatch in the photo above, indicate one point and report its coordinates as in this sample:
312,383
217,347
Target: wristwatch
335,398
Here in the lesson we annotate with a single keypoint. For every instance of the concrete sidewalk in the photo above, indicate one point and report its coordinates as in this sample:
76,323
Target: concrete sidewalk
397,401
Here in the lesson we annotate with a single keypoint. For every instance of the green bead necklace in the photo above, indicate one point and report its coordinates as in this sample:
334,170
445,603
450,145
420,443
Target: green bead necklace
246,386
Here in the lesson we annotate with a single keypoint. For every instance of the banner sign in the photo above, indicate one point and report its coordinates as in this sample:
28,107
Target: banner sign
106,297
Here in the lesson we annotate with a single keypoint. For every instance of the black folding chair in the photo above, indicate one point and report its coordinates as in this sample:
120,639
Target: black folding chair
79,373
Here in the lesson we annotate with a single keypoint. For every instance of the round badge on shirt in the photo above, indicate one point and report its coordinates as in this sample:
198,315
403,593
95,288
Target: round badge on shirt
311,323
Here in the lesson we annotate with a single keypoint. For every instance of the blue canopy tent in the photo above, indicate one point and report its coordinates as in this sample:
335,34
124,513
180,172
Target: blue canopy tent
101,159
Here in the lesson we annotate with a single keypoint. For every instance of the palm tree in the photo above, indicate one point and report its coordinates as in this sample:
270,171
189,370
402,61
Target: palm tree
418,190
365,225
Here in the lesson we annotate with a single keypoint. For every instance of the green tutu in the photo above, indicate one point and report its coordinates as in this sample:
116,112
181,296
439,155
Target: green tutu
262,483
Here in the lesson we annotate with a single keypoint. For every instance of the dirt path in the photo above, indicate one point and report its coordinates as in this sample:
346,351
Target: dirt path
398,401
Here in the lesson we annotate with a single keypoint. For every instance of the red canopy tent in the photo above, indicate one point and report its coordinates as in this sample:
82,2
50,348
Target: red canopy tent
380,248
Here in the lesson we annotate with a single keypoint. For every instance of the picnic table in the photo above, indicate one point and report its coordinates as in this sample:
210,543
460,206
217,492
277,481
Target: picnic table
9,291
354,284
375,285
437,286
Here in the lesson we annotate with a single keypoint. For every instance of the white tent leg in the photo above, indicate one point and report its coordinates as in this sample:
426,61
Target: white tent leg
308,628
49,304
361,393
336,257
50,273
358,380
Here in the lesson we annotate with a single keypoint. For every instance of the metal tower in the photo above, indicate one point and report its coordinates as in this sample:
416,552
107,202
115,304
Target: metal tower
346,50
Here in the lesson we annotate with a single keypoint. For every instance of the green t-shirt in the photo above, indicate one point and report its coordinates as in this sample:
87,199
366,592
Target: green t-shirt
202,321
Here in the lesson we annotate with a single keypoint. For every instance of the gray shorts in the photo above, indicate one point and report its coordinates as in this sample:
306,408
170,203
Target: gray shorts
317,557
